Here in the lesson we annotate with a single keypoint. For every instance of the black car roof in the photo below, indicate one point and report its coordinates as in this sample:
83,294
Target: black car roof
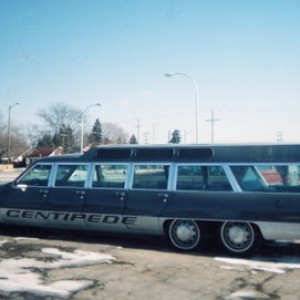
255,153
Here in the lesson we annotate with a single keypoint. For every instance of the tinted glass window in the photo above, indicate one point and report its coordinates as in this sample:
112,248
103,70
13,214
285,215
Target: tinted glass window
111,176
210,178
268,178
71,175
249,178
151,176
190,178
270,174
37,176
217,179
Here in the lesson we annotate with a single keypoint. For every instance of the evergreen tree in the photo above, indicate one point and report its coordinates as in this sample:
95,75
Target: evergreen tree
95,136
64,137
45,141
176,138
133,140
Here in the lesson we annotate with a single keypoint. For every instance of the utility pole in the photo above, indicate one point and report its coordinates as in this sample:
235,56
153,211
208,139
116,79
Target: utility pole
138,130
146,137
212,120
280,135
9,130
153,132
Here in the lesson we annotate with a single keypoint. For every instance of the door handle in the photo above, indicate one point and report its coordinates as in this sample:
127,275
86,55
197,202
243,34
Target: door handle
121,195
44,193
81,193
164,196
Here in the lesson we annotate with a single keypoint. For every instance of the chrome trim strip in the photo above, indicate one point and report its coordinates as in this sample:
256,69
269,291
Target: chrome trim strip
279,231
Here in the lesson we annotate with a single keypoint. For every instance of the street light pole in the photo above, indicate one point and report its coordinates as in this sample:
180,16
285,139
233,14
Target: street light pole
9,129
168,75
82,117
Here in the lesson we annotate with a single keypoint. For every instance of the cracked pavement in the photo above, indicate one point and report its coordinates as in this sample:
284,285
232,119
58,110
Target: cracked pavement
146,267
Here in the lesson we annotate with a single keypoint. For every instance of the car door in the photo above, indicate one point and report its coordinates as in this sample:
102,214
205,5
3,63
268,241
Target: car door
24,201
67,196
105,202
147,197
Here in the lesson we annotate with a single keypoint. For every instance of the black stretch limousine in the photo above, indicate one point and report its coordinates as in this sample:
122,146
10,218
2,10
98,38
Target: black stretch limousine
237,195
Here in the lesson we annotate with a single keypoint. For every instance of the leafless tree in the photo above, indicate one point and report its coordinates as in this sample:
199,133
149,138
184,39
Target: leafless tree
114,134
54,115
19,141
17,138
58,116
3,136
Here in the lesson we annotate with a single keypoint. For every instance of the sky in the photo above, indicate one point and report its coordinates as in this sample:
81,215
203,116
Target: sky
242,56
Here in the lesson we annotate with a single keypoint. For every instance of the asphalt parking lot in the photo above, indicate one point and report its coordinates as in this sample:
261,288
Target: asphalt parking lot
52,264
9,175
42,264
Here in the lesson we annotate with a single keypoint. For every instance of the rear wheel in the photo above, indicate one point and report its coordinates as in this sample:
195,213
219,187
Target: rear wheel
239,238
186,234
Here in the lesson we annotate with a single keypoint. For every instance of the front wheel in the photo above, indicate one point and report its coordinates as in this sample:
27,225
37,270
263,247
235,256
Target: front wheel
185,234
239,238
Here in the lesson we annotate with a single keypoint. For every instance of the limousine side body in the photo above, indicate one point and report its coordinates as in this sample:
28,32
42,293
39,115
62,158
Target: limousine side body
187,193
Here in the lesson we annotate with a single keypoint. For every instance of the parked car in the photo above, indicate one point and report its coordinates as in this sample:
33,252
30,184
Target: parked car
270,174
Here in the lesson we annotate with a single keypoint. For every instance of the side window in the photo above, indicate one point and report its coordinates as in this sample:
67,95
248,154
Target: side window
190,178
209,178
71,175
109,176
291,176
151,177
270,174
217,179
37,176
249,178
269,178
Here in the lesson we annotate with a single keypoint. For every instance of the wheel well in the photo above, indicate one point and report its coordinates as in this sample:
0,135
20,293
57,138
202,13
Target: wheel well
254,225
257,230
166,225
